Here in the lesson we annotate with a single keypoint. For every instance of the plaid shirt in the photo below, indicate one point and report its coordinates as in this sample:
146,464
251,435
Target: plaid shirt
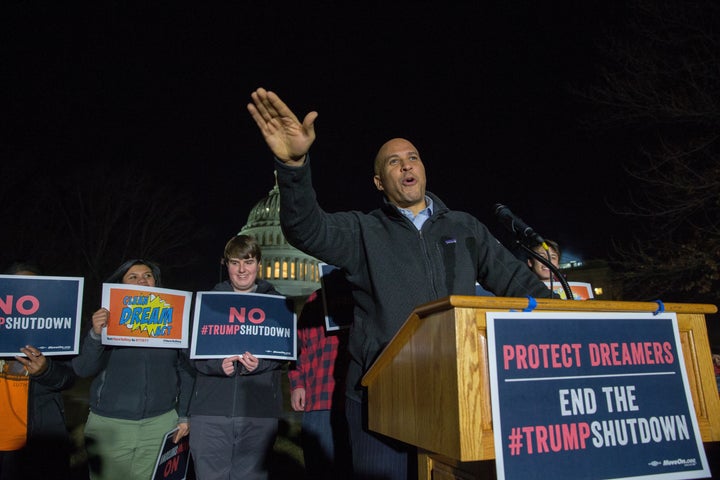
315,367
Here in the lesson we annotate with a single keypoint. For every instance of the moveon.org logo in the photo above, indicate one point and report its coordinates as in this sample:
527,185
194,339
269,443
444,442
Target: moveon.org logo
685,462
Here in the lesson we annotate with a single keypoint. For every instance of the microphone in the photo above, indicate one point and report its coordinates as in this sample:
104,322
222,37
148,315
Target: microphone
515,224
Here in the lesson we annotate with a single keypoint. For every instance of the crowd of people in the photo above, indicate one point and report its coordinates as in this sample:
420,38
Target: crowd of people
411,250
137,395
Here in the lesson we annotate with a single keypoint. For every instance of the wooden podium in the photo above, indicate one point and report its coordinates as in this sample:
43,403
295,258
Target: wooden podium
430,387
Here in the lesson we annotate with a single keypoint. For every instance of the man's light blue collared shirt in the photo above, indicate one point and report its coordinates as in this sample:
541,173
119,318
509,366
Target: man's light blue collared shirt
422,215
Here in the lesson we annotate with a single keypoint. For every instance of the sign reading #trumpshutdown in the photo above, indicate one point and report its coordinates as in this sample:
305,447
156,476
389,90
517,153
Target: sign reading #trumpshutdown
232,323
40,311
591,395
146,316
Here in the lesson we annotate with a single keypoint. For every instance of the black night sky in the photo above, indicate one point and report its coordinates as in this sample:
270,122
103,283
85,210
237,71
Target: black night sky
483,90
90,90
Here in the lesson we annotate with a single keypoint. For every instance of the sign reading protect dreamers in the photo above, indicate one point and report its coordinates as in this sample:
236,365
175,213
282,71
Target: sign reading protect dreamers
592,396
40,311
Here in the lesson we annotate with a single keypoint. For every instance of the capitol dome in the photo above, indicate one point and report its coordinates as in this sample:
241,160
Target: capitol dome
293,273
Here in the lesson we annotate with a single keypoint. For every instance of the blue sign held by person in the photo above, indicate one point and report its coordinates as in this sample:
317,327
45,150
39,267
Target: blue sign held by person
231,323
42,311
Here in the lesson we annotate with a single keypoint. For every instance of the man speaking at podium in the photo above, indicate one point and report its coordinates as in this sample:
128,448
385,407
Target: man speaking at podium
410,251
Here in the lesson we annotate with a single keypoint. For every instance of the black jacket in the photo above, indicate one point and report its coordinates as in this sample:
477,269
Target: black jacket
46,409
48,447
133,383
392,266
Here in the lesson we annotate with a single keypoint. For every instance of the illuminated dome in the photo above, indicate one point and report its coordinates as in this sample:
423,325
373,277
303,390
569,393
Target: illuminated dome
293,273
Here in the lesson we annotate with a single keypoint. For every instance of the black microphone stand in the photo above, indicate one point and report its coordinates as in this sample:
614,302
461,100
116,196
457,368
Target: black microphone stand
555,271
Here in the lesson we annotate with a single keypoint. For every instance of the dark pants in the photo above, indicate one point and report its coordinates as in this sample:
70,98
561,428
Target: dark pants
326,446
232,447
375,456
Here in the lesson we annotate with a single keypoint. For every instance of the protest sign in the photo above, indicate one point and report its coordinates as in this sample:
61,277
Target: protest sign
143,316
580,290
232,323
592,396
337,298
41,311
174,458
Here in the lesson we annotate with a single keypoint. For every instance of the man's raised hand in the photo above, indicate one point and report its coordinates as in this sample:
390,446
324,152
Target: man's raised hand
288,139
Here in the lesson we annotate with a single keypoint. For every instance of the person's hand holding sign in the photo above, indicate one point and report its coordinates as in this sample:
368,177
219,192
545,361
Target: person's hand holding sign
183,430
228,365
249,361
35,363
99,320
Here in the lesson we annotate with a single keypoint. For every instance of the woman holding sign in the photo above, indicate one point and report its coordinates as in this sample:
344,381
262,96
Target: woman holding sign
237,400
34,440
138,394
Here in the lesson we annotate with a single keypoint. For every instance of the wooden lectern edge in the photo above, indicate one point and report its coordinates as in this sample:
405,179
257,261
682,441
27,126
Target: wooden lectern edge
517,303
468,301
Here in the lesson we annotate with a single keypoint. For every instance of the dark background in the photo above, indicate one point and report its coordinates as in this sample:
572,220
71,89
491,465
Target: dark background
115,106
92,91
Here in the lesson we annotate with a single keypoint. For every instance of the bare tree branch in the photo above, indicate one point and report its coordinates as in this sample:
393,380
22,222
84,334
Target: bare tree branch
659,83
